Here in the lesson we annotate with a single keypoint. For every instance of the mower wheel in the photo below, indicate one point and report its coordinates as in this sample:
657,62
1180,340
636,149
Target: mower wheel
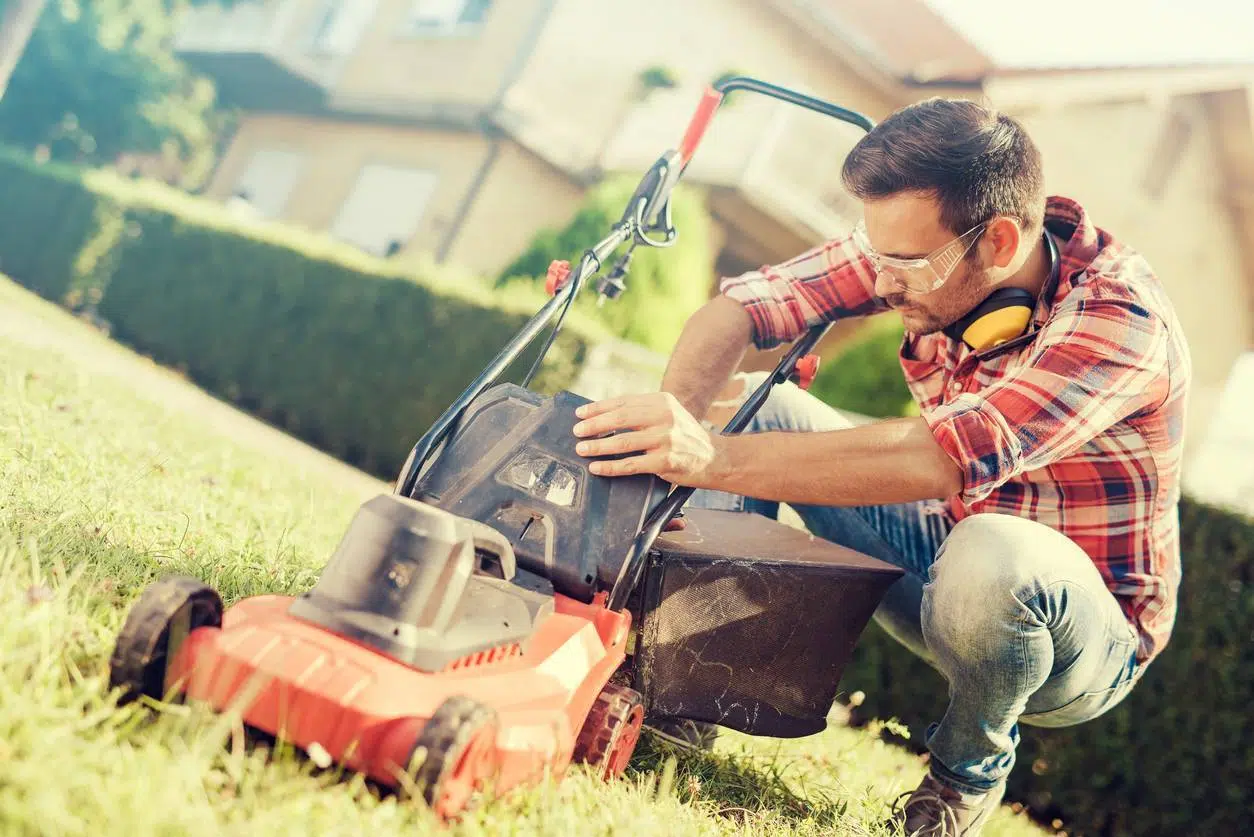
610,732
453,753
160,620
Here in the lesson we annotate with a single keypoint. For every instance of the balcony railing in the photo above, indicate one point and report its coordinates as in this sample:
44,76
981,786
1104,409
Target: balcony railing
240,27
306,39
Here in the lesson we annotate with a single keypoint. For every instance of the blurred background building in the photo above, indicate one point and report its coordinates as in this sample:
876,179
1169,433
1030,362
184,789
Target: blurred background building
454,131
459,127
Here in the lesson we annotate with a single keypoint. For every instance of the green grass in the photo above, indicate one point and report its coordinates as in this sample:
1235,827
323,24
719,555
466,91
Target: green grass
114,474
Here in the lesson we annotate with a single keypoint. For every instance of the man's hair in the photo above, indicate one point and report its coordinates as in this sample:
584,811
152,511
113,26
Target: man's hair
976,162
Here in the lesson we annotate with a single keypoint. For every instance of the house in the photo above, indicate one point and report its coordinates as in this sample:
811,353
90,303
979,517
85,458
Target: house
460,127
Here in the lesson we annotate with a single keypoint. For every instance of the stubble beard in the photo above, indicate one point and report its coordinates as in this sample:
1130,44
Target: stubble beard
921,321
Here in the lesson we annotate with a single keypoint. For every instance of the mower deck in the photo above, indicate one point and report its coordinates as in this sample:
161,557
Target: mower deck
373,714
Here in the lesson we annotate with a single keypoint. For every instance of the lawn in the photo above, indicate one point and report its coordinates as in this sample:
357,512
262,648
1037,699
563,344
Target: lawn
114,473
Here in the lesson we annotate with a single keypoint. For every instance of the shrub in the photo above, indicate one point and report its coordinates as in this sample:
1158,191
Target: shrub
1177,756
351,353
664,285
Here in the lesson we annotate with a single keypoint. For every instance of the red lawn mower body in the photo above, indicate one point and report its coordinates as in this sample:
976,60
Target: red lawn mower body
504,613
368,712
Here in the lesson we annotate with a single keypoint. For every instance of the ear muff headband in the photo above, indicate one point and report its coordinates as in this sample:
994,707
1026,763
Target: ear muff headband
1004,314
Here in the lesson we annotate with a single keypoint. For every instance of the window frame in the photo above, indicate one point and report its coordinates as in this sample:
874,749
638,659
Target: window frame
459,27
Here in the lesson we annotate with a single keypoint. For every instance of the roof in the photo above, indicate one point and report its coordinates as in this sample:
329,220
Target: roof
936,42
905,38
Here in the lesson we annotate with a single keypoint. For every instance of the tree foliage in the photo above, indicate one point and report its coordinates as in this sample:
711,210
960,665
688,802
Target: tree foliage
664,285
99,78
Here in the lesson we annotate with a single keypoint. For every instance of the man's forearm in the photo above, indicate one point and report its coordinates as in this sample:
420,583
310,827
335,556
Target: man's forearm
709,350
892,461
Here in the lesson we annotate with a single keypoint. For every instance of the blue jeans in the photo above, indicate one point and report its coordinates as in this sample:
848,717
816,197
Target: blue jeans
1011,612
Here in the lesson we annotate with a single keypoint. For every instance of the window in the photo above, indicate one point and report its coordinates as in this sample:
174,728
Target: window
384,208
269,179
447,16
341,24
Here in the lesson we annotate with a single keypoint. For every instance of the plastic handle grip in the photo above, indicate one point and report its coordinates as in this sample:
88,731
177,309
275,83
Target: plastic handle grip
490,540
700,121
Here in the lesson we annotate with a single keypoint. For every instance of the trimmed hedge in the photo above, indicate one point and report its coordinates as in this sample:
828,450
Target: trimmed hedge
46,222
351,353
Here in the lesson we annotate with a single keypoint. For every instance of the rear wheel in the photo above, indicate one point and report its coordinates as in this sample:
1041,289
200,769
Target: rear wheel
453,754
160,620
610,732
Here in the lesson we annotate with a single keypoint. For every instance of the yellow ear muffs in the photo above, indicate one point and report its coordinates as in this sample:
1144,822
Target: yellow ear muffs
1006,312
1003,316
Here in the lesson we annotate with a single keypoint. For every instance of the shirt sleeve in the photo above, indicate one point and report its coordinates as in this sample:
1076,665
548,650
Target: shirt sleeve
1099,363
827,282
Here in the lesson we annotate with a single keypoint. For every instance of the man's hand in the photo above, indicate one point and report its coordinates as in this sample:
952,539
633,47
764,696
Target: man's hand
665,437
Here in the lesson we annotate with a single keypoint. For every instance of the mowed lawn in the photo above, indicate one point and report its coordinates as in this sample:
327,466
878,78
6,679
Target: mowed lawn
114,473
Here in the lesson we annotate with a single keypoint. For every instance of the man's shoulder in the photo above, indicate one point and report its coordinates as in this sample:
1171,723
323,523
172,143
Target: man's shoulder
1110,287
1099,266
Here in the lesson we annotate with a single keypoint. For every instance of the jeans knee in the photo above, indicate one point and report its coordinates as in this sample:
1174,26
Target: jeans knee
985,571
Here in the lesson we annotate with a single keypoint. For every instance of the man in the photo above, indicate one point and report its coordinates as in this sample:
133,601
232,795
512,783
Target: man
1033,501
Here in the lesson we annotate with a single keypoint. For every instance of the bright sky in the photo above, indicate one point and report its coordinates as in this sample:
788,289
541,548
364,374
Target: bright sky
1105,31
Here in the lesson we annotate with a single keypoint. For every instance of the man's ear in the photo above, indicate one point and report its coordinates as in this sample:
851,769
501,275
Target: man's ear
1000,242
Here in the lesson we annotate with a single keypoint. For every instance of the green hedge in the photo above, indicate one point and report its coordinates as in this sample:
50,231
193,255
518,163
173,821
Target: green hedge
351,353
46,221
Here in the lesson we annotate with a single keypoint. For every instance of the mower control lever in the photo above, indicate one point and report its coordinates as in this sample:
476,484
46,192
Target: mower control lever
807,369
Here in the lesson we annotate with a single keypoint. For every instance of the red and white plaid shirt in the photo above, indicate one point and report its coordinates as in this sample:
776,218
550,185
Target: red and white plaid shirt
1079,427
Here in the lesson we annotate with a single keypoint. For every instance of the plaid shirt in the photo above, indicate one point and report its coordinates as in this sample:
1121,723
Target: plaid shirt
1078,427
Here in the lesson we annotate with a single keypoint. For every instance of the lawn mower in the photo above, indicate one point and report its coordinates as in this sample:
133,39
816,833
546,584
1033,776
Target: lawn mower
503,613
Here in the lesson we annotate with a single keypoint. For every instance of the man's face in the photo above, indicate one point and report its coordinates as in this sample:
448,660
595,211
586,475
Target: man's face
908,226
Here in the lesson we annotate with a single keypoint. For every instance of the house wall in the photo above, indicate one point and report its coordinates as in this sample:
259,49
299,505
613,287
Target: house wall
697,40
334,154
1146,172
393,64
521,195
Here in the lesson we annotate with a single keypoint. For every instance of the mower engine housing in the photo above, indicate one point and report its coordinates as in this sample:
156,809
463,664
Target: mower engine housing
422,586
511,464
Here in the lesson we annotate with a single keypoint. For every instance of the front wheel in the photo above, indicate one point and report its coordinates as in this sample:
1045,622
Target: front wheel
160,620
454,754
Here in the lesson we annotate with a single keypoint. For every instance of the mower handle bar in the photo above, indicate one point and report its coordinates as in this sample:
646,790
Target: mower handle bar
666,510
651,197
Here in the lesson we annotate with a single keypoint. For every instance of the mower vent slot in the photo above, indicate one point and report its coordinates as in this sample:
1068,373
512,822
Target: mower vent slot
486,657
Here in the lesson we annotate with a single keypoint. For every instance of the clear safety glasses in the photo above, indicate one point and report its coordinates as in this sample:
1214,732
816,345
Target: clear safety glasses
918,276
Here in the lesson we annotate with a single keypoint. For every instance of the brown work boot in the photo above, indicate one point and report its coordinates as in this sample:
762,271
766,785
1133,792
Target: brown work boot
935,809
